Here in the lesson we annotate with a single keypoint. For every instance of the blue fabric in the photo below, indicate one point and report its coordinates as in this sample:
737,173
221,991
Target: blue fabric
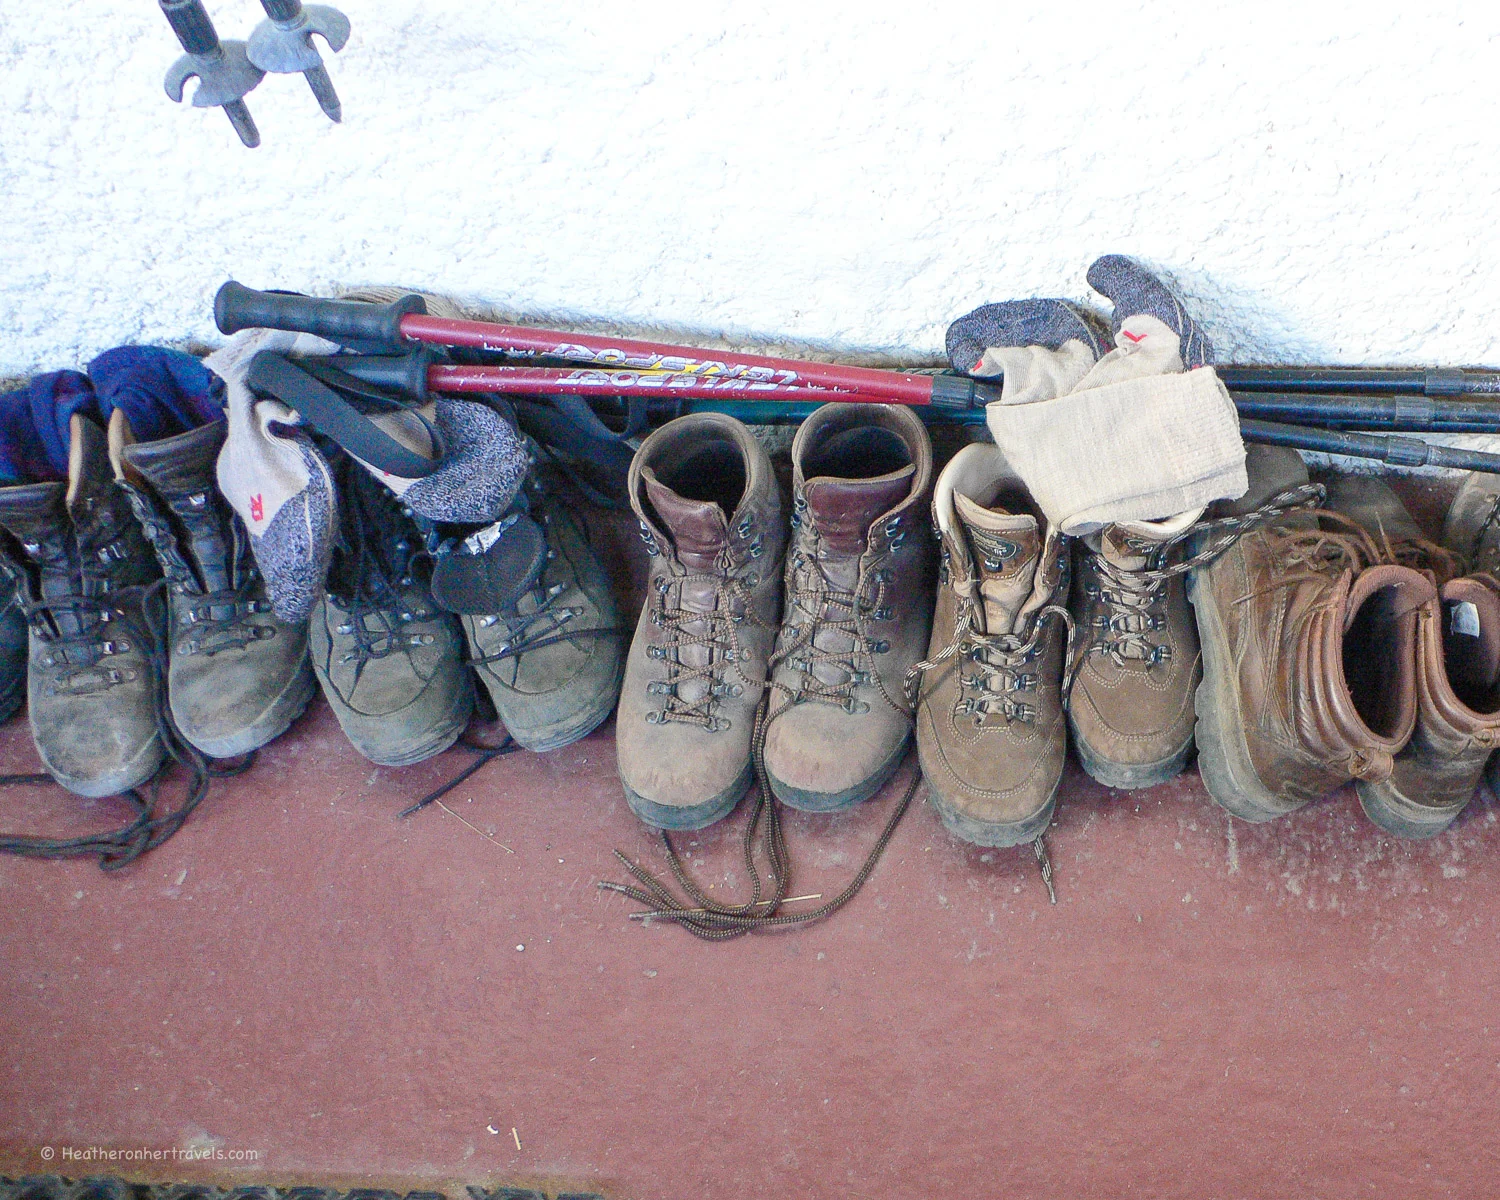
161,392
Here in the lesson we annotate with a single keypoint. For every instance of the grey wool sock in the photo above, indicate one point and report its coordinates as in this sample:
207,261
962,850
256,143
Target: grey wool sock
1136,292
1046,323
483,469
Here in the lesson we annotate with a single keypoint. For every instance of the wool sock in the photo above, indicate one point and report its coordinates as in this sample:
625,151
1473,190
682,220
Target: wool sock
1039,348
1136,292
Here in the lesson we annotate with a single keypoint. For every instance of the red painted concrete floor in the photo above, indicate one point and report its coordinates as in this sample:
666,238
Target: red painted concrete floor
1211,1009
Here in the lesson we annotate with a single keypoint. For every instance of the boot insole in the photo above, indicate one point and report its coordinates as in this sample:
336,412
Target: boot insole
861,453
712,472
1372,667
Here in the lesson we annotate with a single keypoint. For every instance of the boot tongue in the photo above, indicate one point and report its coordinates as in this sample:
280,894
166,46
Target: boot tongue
844,509
181,465
1006,549
697,528
1129,544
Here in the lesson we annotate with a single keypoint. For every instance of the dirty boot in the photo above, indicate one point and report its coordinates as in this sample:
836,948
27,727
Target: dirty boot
990,727
1472,530
237,676
544,635
1131,704
1309,650
711,517
84,572
1458,673
390,662
13,642
858,605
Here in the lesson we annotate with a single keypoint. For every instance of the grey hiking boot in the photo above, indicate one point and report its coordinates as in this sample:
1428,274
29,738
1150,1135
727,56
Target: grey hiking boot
93,684
544,635
858,583
237,676
711,517
389,661
13,642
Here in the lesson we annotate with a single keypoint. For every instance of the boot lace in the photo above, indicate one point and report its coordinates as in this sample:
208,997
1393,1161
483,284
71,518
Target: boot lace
718,633
820,611
1134,605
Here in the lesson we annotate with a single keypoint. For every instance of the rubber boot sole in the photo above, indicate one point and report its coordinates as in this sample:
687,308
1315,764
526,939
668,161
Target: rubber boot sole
996,834
1131,777
1386,807
1223,754
805,800
689,816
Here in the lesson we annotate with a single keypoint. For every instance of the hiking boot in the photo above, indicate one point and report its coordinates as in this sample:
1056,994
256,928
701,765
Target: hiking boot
1458,672
237,676
544,635
858,605
84,572
389,660
13,645
1131,704
1309,651
1470,530
710,513
990,729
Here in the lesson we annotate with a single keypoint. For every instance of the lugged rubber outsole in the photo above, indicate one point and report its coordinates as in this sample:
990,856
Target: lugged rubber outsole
1390,810
804,800
1131,777
995,834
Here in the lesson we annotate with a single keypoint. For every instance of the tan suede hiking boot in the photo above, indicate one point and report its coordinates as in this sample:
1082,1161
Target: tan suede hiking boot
1131,705
858,605
703,490
1458,673
1309,653
990,727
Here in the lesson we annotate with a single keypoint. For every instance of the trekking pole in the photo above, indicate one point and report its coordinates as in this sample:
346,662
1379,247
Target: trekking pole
1416,381
1397,412
1394,451
225,76
393,326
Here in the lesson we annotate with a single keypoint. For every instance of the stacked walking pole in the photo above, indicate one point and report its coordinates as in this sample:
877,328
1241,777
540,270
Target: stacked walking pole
1336,411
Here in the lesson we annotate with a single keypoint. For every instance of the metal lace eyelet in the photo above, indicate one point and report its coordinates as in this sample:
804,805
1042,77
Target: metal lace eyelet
653,717
877,646
719,724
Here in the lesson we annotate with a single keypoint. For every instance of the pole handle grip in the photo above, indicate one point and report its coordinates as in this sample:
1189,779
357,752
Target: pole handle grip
191,23
237,307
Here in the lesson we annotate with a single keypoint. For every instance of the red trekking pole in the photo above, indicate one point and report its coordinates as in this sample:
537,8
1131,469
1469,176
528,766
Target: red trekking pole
627,365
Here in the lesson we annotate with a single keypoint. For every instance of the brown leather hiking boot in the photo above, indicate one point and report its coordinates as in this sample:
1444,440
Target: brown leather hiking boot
1309,653
1472,530
990,728
1458,673
1131,704
711,517
858,605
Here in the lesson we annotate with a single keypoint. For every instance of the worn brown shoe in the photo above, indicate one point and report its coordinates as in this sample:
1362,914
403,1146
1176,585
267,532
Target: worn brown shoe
1472,530
858,605
990,728
1131,705
1458,669
711,517
1309,653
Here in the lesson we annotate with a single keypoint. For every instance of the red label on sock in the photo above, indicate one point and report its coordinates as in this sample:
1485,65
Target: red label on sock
1133,337
257,508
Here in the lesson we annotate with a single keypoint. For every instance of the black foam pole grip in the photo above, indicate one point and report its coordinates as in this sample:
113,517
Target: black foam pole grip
191,23
281,10
403,373
237,307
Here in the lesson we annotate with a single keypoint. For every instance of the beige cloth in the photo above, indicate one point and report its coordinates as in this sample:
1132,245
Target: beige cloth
1134,438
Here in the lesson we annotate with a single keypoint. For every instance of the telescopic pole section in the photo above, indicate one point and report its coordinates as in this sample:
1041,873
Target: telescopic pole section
1416,381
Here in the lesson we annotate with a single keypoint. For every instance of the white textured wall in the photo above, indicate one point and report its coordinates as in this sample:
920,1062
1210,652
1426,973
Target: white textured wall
1320,178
